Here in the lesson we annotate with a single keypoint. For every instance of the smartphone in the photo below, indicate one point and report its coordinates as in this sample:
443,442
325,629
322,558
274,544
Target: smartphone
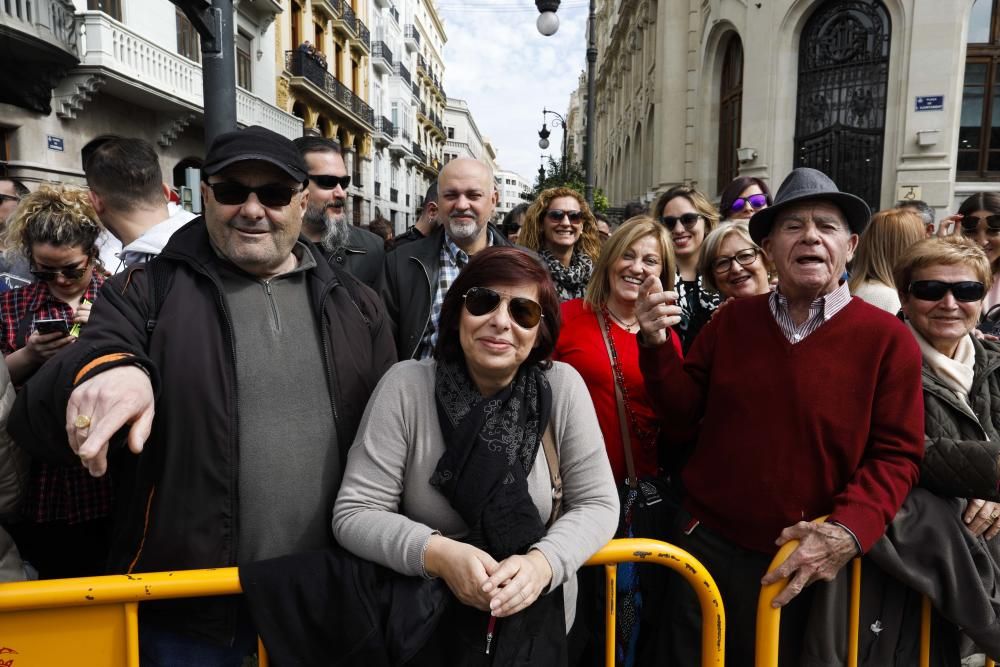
52,326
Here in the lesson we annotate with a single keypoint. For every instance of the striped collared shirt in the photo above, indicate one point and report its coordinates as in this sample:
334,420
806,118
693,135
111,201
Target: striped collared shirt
820,311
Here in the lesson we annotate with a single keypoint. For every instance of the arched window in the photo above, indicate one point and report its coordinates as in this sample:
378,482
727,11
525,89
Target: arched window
730,112
979,131
843,79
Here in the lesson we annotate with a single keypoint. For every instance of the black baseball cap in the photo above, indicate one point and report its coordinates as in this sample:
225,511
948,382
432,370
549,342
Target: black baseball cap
255,143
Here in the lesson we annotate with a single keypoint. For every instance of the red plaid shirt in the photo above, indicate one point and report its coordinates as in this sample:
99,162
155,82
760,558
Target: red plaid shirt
55,493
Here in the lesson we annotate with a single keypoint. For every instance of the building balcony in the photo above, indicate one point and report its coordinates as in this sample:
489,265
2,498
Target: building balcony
419,152
332,8
364,38
393,195
310,78
346,22
399,69
39,47
416,90
411,38
381,58
135,69
422,70
384,131
399,145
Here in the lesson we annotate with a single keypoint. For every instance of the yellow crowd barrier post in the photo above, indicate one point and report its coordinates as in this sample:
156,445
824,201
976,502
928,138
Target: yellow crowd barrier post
713,616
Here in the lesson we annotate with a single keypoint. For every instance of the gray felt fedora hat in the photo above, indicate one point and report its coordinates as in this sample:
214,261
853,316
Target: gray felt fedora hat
805,184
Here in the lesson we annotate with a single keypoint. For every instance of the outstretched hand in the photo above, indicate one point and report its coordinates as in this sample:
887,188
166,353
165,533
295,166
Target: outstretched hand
99,407
824,548
656,311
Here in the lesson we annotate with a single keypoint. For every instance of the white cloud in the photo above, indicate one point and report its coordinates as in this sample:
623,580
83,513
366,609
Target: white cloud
497,61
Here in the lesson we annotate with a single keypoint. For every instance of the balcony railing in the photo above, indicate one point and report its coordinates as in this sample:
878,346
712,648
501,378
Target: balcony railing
416,90
364,35
385,126
349,18
419,152
48,20
299,63
400,70
381,51
410,33
393,195
332,6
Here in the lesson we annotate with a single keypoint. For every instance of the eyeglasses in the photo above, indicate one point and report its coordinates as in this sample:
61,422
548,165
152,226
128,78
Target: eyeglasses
556,215
272,195
482,300
689,220
971,222
756,202
326,182
967,291
69,272
4,198
744,257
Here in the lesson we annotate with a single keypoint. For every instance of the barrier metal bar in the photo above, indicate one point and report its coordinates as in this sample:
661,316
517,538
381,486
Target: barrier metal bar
713,616
925,635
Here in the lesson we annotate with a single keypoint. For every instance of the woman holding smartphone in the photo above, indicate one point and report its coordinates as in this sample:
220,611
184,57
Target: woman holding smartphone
64,525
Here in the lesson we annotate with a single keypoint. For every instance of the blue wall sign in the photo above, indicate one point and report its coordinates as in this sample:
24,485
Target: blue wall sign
930,103
55,143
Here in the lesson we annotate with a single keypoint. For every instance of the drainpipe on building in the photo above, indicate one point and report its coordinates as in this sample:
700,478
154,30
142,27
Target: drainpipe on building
588,149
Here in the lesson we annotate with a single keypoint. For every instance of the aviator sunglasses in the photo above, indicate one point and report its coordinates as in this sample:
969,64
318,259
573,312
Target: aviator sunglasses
756,202
271,195
971,222
68,272
689,220
482,300
556,215
967,291
326,182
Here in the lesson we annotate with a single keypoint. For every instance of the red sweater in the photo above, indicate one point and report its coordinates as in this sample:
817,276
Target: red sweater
833,425
581,346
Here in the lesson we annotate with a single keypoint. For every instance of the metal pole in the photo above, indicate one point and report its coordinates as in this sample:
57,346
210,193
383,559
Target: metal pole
219,73
588,149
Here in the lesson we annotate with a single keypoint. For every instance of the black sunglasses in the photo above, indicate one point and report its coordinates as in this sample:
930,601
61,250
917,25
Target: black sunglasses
556,215
272,195
326,182
69,273
971,222
482,300
934,290
4,198
689,220
744,257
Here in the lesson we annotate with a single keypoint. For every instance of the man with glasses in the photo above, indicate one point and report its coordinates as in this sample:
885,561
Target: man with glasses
130,197
809,404
262,359
325,220
15,273
418,275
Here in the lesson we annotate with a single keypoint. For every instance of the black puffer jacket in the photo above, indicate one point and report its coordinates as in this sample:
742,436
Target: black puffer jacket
177,505
962,446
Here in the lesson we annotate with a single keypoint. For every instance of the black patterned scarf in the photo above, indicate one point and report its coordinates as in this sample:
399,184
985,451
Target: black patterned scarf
571,281
490,446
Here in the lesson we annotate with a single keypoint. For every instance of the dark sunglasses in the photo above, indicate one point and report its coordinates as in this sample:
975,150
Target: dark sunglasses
272,195
330,182
69,273
744,257
971,222
689,220
934,290
556,215
756,202
482,300
4,198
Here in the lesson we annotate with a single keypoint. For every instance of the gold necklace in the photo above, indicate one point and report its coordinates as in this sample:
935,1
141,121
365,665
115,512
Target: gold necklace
626,325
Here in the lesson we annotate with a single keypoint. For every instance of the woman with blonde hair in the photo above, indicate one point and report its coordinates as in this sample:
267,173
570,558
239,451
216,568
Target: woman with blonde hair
65,526
689,216
598,340
732,264
560,227
890,234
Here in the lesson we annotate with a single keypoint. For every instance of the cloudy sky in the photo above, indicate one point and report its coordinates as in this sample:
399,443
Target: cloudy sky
498,62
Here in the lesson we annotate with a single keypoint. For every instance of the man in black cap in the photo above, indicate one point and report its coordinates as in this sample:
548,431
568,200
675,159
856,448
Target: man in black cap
809,403
238,362
427,220
325,220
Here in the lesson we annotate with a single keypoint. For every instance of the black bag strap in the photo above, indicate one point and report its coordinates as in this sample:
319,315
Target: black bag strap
632,480
159,276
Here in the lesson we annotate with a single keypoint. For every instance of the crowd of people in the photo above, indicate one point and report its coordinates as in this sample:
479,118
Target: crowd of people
411,445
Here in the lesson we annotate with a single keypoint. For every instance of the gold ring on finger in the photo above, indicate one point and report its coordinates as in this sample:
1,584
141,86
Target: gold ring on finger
82,422
995,515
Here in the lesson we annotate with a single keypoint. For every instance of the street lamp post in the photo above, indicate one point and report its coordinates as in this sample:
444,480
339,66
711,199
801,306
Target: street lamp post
543,134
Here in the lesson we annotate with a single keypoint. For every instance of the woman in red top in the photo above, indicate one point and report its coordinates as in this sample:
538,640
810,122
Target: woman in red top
63,530
598,338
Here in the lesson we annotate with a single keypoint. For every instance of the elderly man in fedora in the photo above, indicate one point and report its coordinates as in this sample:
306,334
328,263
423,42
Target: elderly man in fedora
809,404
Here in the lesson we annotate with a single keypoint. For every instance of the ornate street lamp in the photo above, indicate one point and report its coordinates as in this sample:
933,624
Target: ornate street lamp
543,134
548,22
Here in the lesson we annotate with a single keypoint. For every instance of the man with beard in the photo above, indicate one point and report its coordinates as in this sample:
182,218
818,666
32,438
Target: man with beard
418,275
427,221
325,223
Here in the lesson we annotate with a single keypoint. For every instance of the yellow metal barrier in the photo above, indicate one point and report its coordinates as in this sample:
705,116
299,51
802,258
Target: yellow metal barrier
713,616
769,620
93,620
